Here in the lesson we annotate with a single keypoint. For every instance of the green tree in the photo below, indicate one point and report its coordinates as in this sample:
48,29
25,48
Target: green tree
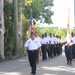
57,31
9,29
39,8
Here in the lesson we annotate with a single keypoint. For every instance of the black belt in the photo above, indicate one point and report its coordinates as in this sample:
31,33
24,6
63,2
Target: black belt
33,50
69,46
43,44
52,44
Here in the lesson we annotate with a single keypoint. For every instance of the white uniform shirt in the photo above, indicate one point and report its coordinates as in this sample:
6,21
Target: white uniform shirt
58,40
74,40
66,39
55,39
42,40
51,39
38,38
32,44
46,40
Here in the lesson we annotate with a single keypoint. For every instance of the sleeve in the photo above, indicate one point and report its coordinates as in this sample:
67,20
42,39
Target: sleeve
61,41
39,44
72,39
49,40
56,40
46,40
26,44
39,39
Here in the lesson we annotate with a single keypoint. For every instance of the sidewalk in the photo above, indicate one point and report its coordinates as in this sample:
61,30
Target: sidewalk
53,66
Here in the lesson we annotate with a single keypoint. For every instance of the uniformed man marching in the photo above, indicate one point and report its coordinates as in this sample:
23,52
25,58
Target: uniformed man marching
52,43
68,48
33,46
38,38
73,50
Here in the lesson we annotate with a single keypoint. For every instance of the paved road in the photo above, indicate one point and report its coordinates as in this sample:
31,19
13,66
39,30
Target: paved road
54,66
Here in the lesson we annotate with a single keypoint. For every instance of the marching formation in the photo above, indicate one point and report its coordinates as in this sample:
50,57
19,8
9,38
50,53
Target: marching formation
51,46
48,46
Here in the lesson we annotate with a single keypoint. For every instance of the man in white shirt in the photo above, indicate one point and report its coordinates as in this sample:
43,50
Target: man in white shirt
58,45
73,54
47,45
52,43
55,47
68,48
38,38
43,43
33,46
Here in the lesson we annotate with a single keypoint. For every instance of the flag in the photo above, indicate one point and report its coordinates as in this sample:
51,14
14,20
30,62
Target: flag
68,30
31,24
68,22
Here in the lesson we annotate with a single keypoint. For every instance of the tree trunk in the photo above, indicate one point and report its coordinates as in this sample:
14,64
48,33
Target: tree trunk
16,26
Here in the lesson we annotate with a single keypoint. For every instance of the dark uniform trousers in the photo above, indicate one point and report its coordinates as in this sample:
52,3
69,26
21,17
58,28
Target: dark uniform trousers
48,50
51,50
33,55
68,53
58,49
73,51
43,47
54,50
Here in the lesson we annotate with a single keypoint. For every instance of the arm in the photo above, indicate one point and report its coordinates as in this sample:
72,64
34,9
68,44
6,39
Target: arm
40,51
64,42
47,45
25,52
54,44
25,47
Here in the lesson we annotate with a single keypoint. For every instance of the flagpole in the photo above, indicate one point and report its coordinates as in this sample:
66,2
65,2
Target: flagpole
30,20
68,21
68,29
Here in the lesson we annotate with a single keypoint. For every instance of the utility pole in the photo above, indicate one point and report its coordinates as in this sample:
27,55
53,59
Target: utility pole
16,26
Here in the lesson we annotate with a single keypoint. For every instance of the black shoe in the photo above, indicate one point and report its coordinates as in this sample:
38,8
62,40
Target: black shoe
33,73
67,62
49,57
46,58
70,63
37,61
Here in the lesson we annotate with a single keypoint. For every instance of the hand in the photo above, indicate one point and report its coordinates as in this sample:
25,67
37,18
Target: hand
47,47
54,45
40,53
25,53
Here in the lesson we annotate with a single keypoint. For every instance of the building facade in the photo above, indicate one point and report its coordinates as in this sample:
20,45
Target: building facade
2,28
